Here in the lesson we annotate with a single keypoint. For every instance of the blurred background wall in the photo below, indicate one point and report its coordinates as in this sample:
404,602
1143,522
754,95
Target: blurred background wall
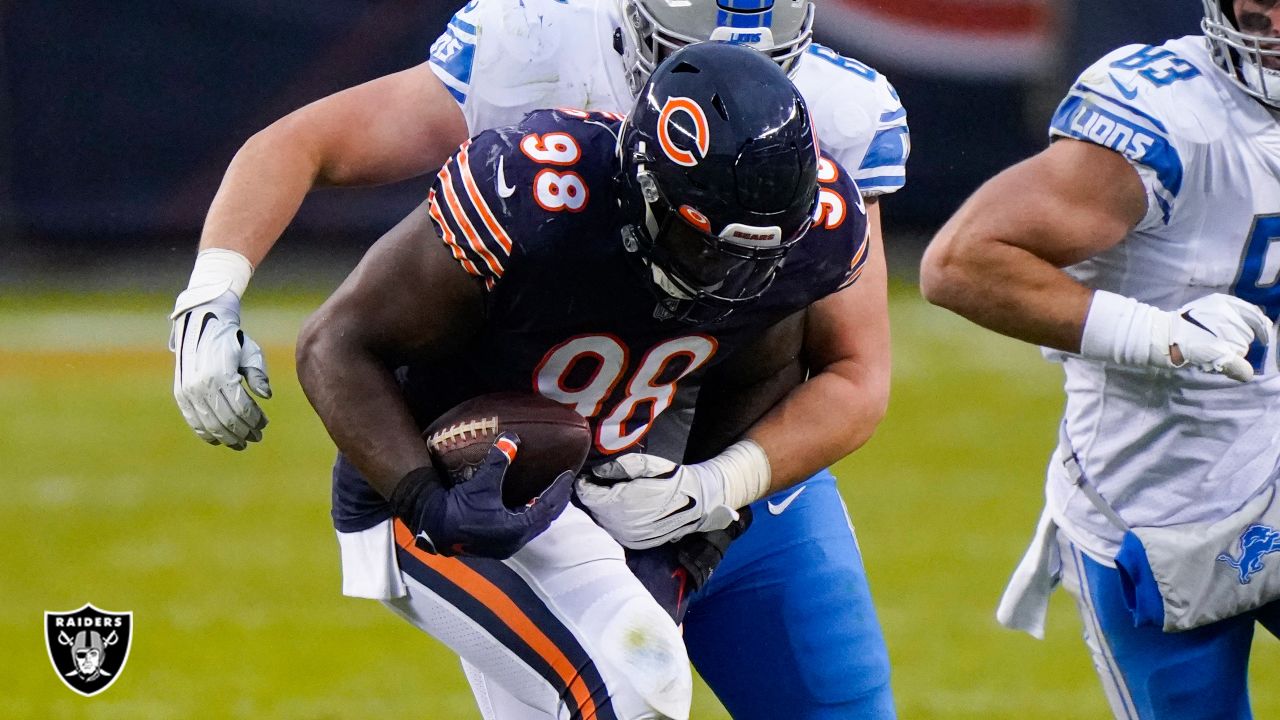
118,118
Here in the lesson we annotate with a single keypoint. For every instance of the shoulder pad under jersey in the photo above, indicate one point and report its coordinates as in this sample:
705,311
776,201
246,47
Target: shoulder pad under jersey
1152,104
510,190
859,118
837,244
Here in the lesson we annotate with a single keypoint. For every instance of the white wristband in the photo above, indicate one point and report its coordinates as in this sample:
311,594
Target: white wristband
746,472
217,266
1123,330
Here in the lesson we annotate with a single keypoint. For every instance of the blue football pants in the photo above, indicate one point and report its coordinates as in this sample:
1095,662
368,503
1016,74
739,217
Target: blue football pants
1148,674
785,627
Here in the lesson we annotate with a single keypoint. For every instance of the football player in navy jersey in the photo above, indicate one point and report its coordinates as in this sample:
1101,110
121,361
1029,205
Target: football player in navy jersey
609,265
806,604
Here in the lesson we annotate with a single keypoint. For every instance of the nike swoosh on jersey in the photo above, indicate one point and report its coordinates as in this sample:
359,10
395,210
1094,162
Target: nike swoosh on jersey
779,507
1126,92
504,190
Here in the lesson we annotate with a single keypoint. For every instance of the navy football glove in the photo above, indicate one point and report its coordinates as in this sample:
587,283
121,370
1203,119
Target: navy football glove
469,518
673,571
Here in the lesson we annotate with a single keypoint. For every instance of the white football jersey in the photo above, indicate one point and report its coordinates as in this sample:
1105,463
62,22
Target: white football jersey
1173,446
504,58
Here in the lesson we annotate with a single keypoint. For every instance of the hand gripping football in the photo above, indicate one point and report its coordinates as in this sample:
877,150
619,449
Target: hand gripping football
553,438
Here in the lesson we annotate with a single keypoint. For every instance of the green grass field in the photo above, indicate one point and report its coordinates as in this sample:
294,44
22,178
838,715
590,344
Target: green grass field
230,567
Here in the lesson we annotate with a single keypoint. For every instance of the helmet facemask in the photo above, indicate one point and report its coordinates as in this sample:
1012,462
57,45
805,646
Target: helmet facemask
1251,60
655,28
698,276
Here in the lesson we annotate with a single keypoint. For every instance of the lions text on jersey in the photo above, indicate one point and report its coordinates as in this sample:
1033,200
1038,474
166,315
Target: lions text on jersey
1209,156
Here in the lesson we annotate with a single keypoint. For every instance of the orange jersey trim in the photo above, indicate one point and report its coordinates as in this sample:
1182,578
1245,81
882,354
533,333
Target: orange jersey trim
473,191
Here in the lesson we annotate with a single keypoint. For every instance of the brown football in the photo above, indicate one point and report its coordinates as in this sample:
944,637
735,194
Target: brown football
553,438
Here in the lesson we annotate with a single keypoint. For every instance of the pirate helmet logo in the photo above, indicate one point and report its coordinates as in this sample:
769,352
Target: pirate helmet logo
88,647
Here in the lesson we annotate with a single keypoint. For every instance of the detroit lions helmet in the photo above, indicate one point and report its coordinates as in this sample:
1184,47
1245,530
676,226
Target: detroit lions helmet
780,29
719,169
1246,47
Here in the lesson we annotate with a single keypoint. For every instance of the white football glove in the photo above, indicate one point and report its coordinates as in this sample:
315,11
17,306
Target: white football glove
1212,333
212,357
655,501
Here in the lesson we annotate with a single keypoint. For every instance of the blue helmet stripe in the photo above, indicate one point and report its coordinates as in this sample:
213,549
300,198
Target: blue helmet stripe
741,5
744,20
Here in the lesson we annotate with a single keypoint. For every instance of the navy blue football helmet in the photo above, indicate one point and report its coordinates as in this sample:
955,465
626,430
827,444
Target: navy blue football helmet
719,168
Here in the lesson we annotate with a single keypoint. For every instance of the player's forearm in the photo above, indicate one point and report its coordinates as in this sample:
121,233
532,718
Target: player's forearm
356,396
260,194
1005,288
823,420
997,261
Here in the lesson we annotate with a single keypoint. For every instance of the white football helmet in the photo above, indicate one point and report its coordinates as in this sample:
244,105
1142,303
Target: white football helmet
1252,61
780,29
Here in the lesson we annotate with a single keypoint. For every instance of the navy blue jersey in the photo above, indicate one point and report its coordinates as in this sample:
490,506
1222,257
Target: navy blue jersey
532,212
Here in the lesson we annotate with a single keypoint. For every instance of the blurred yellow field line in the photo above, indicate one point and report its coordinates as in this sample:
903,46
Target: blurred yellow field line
93,330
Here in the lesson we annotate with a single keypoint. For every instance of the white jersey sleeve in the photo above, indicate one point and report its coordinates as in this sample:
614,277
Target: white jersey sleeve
1143,102
859,118
501,59
1167,447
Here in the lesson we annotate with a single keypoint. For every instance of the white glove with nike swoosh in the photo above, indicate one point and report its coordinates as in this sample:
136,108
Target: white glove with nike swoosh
213,355
645,500
1212,333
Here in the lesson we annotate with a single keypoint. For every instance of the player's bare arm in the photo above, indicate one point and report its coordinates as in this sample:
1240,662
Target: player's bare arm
391,128
374,322
846,349
740,392
997,262
409,300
